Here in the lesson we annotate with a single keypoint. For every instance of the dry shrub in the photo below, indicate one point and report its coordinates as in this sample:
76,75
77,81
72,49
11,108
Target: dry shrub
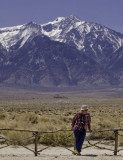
106,135
3,124
120,138
44,120
55,116
3,116
17,138
30,118
33,118
121,134
60,138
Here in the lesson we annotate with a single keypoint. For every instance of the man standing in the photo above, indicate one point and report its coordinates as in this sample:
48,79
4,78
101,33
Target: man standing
81,121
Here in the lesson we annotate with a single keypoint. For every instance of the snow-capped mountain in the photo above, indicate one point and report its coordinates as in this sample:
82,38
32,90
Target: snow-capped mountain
64,52
93,39
10,36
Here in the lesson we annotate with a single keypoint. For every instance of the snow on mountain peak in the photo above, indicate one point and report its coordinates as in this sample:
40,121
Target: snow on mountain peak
11,28
70,30
73,31
9,36
73,17
59,19
63,27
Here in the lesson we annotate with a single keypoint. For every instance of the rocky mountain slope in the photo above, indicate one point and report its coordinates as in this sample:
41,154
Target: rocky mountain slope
64,52
95,40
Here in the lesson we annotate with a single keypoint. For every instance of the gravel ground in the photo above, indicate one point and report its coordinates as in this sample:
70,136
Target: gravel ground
19,153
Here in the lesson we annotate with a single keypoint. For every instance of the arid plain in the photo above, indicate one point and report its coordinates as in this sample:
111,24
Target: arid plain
47,110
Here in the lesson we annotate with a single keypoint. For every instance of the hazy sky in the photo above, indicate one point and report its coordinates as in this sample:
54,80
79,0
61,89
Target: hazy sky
105,12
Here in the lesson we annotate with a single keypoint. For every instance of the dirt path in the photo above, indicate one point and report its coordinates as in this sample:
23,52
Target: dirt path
19,153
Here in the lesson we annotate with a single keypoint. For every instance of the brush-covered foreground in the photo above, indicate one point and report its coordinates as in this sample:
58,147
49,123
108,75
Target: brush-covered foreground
50,111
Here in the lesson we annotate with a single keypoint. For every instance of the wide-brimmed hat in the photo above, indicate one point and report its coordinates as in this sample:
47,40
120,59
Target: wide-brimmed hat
84,107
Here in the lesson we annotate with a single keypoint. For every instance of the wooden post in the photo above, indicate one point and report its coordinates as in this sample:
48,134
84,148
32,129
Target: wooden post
36,143
116,142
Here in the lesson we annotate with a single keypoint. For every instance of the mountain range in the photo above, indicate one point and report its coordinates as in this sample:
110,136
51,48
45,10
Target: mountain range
63,52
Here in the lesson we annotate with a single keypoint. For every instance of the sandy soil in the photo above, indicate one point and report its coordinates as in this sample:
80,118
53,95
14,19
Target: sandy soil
20,153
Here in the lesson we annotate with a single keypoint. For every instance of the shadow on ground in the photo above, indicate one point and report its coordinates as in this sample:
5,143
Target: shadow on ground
89,155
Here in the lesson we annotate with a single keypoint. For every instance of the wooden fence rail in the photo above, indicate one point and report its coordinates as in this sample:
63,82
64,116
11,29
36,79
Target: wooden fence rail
36,134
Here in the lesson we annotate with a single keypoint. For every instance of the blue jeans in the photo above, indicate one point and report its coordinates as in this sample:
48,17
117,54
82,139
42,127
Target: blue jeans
79,138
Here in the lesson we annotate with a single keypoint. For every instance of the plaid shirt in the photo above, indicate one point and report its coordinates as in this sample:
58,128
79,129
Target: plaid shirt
78,119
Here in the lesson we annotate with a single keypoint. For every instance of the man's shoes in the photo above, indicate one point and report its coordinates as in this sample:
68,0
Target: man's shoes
79,154
75,152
